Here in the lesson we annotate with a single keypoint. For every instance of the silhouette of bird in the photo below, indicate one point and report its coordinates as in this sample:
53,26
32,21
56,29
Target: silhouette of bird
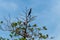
30,11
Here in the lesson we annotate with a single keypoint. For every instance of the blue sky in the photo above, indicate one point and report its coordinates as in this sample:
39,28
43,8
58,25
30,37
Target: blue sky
47,12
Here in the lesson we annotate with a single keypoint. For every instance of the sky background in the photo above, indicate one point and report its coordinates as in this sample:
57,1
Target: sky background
47,12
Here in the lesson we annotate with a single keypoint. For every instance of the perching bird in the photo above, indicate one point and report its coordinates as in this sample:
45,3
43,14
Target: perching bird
30,11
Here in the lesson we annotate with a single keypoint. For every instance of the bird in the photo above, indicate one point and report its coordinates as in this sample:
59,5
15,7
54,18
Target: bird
30,11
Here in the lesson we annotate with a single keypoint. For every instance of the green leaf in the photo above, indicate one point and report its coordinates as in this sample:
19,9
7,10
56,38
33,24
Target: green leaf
23,28
44,28
1,22
35,34
31,29
12,32
14,24
29,25
43,36
35,25
32,38
46,35
11,35
7,39
39,28
19,22
16,34
22,39
40,35
15,39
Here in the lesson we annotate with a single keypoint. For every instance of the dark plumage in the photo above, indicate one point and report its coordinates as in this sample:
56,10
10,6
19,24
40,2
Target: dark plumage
30,11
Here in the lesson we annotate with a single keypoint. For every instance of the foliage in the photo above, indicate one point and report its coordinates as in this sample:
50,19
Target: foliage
25,29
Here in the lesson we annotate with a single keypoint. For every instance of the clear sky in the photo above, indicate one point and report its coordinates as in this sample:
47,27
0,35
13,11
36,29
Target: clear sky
47,12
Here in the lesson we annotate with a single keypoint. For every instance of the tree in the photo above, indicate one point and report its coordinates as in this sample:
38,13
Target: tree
25,29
